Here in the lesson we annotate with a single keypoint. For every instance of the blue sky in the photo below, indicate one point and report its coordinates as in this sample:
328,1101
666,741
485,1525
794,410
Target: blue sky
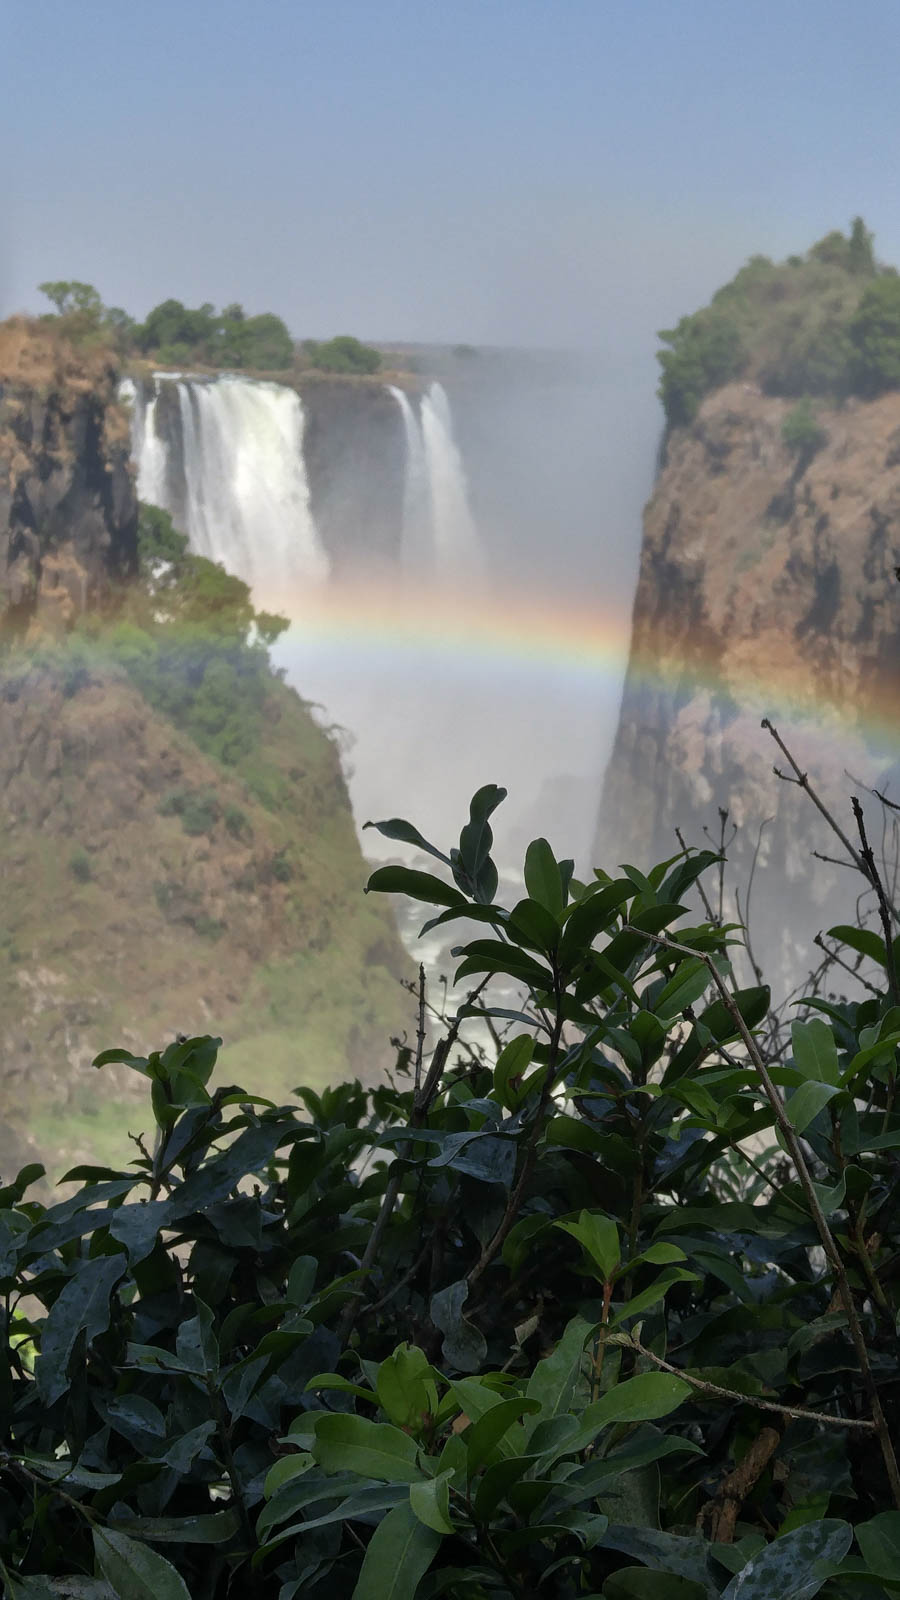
543,171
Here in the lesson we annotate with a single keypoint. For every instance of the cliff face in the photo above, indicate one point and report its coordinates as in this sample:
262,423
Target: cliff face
147,887
67,509
355,454
767,587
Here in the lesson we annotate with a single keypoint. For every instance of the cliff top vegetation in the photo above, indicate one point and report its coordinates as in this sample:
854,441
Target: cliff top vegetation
178,336
824,324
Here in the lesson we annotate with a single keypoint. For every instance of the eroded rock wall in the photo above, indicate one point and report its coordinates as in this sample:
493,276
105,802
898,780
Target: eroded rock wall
767,587
68,514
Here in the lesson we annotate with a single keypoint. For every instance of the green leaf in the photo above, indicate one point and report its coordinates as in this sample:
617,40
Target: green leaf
806,1102
137,1226
591,916
405,833
417,885
879,1541
646,1398
336,1380
494,1483
39,1586
512,1064
879,1050
490,955
397,1557
196,1344
656,1292
815,1052
362,1503
83,1307
430,1500
599,1236
486,1435
464,1346
787,1568
344,1443
640,1583
134,1571
687,984
863,940
206,1528
285,1470
684,1556
406,1388
542,878
554,1379
473,868
532,925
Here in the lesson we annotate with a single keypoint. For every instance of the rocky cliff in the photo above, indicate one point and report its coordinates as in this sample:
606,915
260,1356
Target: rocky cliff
767,587
67,508
148,886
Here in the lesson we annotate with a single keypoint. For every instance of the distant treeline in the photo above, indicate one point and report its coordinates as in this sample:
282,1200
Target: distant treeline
825,324
177,335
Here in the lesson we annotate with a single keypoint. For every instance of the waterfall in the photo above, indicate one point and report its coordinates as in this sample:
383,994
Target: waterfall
147,448
246,498
416,545
457,550
439,534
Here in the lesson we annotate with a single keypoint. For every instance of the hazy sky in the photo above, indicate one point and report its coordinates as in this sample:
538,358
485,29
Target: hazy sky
524,171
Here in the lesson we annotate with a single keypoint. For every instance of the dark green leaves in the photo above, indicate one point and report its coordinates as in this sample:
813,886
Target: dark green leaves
373,1449
795,1566
418,885
82,1308
398,1555
134,1571
473,868
543,879
464,1345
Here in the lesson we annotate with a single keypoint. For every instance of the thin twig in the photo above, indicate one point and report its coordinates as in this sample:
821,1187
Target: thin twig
838,961
884,910
832,1253
420,1032
716,1392
707,905
802,781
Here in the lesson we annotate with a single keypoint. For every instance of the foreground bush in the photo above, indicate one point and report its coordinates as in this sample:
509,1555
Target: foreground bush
533,1320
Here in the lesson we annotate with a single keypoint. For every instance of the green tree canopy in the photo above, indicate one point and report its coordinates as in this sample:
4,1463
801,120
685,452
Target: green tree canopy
68,296
343,354
875,336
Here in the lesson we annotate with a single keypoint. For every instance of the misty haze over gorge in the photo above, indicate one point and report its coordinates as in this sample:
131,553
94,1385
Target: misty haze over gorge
449,800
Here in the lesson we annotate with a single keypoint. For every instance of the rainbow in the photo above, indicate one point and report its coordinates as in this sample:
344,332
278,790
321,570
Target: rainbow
522,632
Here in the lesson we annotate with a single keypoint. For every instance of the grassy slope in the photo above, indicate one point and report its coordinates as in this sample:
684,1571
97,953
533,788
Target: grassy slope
121,927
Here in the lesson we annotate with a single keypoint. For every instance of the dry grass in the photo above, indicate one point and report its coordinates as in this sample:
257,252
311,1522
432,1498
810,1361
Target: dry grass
42,354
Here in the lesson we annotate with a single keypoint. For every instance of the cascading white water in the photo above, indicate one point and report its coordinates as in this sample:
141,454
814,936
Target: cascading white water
148,450
457,548
246,497
417,540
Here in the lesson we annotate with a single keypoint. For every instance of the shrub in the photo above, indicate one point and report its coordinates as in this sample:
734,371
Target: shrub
237,822
559,1318
200,813
173,803
282,871
80,864
875,336
344,355
704,351
802,431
